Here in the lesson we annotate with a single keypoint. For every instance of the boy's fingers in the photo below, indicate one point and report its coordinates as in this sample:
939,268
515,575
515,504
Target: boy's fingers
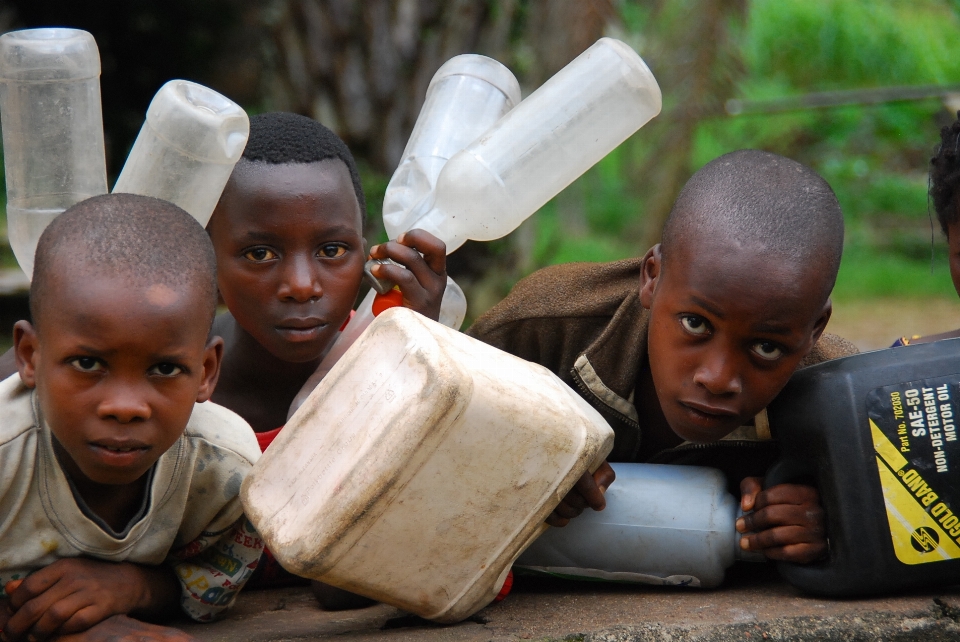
808,517
749,488
604,476
433,249
779,537
555,520
798,553
567,510
58,614
787,494
589,490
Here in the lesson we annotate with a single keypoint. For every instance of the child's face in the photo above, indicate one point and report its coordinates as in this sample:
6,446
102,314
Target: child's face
727,329
290,253
117,369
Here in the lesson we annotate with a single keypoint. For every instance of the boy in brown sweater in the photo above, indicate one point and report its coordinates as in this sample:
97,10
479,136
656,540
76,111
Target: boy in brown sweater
683,349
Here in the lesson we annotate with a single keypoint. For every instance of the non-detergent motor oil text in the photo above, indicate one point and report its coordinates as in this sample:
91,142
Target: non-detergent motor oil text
877,434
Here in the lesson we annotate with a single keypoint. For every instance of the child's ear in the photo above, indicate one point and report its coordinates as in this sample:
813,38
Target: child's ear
650,275
212,356
821,323
26,349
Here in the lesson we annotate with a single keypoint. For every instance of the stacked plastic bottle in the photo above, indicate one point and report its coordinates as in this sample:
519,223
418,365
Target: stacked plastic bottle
551,138
52,129
189,143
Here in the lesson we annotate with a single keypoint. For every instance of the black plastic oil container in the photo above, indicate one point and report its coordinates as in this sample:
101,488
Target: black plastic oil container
877,434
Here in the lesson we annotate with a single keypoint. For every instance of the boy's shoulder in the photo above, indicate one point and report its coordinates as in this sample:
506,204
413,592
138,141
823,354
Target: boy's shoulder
223,430
570,290
16,409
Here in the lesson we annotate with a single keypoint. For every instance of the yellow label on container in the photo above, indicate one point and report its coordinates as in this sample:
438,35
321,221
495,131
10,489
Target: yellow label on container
914,436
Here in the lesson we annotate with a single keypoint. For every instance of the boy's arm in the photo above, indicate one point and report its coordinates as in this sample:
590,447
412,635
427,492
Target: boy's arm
121,627
787,522
74,594
213,568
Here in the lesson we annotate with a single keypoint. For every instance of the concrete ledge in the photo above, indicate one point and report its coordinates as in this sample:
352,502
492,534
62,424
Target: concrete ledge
754,605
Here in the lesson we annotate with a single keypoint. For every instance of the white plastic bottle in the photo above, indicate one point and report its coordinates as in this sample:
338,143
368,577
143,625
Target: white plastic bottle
552,137
668,525
467,95
52,129
190,141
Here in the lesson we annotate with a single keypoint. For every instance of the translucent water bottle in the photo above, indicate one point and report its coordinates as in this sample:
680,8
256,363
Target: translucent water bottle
190,141
667,525
538,148
52,129
467,95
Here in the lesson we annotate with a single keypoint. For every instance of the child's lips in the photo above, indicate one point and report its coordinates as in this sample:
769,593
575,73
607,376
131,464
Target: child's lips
119,453
301,329
707,415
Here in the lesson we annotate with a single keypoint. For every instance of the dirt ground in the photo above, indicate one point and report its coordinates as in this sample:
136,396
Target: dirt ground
876,323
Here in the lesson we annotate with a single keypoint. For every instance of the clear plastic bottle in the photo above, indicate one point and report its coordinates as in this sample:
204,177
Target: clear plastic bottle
541,146
467,95
668,525
52,129
190,141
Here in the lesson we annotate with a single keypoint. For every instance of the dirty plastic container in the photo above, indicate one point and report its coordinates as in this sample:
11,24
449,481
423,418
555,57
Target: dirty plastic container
52,129
190,141
421,467
538,148
467,95
877,434
666,525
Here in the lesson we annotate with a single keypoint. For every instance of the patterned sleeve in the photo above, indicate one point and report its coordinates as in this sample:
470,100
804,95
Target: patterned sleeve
214,567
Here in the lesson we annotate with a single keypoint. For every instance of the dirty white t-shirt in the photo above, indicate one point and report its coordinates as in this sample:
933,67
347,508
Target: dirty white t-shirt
191,518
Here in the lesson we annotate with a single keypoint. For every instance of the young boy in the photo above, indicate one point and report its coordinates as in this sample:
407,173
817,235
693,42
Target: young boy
290,255
118,485
678,350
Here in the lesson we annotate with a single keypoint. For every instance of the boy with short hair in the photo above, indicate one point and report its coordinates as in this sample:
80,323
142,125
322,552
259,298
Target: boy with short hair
678,350
288,235
118,485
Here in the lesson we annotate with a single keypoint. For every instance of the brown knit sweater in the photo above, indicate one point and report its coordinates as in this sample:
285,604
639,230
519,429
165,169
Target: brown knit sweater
585,323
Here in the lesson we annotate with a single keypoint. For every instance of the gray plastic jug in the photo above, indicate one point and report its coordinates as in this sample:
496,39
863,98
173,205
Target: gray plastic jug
667,525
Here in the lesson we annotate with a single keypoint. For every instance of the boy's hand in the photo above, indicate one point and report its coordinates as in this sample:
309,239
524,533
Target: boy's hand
588,491
786,524
425,278
120,628
74,594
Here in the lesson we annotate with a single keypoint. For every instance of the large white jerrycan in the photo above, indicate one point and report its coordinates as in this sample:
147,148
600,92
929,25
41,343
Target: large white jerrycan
669,525
417,471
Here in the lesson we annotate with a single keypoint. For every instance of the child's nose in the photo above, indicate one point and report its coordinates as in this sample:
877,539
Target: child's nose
718,373
124,402
302,281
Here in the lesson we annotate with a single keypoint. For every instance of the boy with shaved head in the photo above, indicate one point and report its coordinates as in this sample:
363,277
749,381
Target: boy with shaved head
118,485
682,349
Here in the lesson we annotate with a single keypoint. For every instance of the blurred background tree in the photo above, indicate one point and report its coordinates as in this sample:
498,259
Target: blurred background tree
362,68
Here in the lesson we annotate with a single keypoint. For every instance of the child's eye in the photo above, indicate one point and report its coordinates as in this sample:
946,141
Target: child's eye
332,251
165,370
694,324
87,364
767,350
258,254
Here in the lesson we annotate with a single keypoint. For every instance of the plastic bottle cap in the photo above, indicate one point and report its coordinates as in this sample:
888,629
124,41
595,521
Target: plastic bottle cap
392,299
505,589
